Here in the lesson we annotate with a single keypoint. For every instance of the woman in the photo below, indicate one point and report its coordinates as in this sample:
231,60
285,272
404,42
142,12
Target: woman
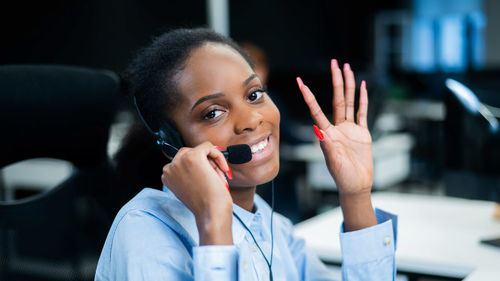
200,89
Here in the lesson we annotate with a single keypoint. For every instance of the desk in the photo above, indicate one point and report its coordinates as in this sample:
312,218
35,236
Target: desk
436,235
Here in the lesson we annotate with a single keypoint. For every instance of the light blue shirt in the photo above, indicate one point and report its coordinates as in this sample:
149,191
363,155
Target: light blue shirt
154,237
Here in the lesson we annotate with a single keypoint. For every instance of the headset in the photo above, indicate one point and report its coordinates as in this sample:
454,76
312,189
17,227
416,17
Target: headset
170,143
163,141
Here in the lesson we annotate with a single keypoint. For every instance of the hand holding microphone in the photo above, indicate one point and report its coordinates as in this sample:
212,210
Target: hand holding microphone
196,177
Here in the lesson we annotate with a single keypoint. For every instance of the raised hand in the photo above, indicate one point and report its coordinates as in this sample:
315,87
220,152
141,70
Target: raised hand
346,145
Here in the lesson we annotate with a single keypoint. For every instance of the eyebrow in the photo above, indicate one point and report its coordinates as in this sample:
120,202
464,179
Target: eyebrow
205,98
249,79
214,96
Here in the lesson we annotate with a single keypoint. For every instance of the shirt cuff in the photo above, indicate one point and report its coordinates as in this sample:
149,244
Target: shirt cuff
215,262
372,243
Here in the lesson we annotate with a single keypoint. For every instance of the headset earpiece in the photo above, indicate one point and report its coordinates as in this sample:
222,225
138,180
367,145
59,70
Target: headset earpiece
168,143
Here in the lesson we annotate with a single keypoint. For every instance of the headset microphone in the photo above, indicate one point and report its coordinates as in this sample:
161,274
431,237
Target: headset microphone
235,154
238,154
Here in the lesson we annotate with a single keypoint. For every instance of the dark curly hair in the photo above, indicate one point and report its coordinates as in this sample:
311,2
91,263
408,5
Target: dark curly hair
150,78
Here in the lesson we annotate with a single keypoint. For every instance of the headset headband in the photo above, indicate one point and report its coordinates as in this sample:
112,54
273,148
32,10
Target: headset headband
159,136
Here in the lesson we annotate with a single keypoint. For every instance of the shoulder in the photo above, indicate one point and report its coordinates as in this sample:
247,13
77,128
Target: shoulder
141,228
150,220
141,234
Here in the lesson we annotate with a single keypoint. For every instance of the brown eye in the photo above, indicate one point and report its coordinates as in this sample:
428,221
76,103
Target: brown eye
255,95
213,114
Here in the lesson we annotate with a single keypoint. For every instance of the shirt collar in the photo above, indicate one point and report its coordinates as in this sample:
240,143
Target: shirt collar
248,218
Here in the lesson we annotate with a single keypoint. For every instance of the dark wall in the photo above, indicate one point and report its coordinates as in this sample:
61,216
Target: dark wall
299,36
104,34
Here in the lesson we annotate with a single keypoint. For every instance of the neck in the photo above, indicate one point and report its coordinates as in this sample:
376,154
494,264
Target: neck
243,197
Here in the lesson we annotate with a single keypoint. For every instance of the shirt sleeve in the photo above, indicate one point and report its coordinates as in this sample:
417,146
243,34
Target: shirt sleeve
369,254
215,263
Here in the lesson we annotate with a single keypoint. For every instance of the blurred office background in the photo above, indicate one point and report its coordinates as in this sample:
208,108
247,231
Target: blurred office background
425,139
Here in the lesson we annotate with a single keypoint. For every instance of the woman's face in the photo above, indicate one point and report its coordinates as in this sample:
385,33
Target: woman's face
223,101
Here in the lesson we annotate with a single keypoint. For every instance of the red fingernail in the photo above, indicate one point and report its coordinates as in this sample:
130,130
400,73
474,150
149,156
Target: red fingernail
227,186
220,148
318,133
363,84
299,82
347,67
334,63
229,173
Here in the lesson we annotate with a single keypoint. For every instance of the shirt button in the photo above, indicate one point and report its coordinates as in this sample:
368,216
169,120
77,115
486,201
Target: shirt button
387,241
245,265
254,248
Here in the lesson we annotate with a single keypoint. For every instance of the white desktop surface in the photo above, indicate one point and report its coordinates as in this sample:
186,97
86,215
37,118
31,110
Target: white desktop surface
437,235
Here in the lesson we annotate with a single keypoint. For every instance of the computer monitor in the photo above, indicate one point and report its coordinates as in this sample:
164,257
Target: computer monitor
472,147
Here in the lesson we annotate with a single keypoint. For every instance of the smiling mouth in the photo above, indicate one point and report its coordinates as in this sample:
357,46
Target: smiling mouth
260,146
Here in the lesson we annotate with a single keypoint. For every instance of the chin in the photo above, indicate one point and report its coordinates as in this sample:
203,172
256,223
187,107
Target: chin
264,165
268,175
253,176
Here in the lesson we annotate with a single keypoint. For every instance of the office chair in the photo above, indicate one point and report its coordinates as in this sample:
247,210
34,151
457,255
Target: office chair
62,112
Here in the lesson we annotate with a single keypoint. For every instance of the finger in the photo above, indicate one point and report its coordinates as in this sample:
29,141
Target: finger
229,174
180,153
216,155
219,172
363,105
164,175
316,112
211,153
221,162
350,90
215,159
338,93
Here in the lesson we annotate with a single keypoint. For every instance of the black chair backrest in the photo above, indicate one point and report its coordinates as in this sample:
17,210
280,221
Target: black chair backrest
56,111
62,112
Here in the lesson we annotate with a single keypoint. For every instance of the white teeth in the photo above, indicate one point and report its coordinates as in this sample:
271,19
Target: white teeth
259,146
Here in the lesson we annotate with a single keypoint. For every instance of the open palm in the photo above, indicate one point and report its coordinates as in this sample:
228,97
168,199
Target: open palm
347,143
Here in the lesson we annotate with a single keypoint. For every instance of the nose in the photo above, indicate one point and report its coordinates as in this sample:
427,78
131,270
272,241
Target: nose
247,120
